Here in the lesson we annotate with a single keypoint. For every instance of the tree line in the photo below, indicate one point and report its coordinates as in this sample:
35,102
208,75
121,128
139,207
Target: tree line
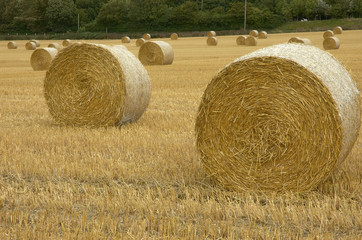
40,16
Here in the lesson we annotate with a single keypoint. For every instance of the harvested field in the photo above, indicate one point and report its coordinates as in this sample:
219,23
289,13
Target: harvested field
145,180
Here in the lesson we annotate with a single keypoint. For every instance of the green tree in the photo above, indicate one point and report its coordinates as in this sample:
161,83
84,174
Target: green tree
356,8
185,15
61,16
113,13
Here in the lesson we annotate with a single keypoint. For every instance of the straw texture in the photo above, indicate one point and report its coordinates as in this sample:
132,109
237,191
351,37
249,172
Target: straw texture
328,34
37,42
156,53
67,42
254,33
55,45
263,35
96,85
41,58
278,119
241,40
146,36
174,36
338,30
211,34
12,45
331,43
140,42
126,39
251,41
211,41
30,46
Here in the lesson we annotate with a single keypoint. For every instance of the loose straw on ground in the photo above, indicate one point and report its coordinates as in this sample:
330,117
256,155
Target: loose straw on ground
126,39
156,53
251,41
263,35
278,119
241,40
254,33
174,36
146,36
30,46
338,30
140,41
331,43
328,34
211,41
55,45
96,85
41,58
12,45
67,42
211,34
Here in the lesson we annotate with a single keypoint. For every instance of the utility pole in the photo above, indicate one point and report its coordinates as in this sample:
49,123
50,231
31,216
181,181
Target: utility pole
245,18
78,22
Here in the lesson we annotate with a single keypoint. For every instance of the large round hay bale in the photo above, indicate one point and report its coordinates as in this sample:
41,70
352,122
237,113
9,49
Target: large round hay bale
304,41
55,45
41,58
12,45
211,34
67,42
331,43
37,42
174,36
140,41
156,53
241,40
338,30
96,85
278,119
30,46
328,34
126,39
211,41
146,36
251,41
254,33
263,35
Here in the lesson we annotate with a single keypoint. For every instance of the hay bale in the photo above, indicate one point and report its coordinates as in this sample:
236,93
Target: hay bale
146,36
12,45
278,119
254,33
37,42
304,41
156,53
211,34
241,40
67,42
251,41
140,42
328,34
331,43
263,35
126,39
55,45
211,41
30,46
41,58
337,30
96,85
174,36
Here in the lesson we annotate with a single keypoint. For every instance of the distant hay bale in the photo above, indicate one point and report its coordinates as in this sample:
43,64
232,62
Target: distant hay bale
304,41
140,41
37,42
174,36
96,85
30,46
263,35
293,39
328,34
241,40
126,39
337,30
251,41
146,36
67,42
55,45
156,53
331,43
211,41
278,119
254,33
41,58
12,45
211,34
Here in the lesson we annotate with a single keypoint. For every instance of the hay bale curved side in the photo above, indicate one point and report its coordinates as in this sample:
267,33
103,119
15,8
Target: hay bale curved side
328,34
146,36
55,45
174,36
211,34
126,39
278,119
66,42
156,53
211,41
331,43
37,42
304,41
293,39
42,58
12,45
254,33
140,41
96,85
30,46
251,41
338,30
263,35
241,40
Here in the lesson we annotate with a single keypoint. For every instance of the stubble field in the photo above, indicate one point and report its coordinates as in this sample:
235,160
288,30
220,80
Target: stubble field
144,180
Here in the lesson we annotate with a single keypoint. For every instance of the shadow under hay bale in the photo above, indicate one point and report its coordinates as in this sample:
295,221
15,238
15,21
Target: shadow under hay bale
42,58
331,43
240,40
12,45
278,119
156,53
96,85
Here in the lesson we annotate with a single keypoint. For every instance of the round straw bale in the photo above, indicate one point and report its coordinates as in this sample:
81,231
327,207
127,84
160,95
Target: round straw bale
96,85
174,36
263,35
254,33
55,45
211,41
241,40
328,34
251,41
41,58
140,41
279,119
67,42
37,43
337,30
211,34
126,39
304,41
156,53
30,46
331,43
12,45
146,36
293,39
